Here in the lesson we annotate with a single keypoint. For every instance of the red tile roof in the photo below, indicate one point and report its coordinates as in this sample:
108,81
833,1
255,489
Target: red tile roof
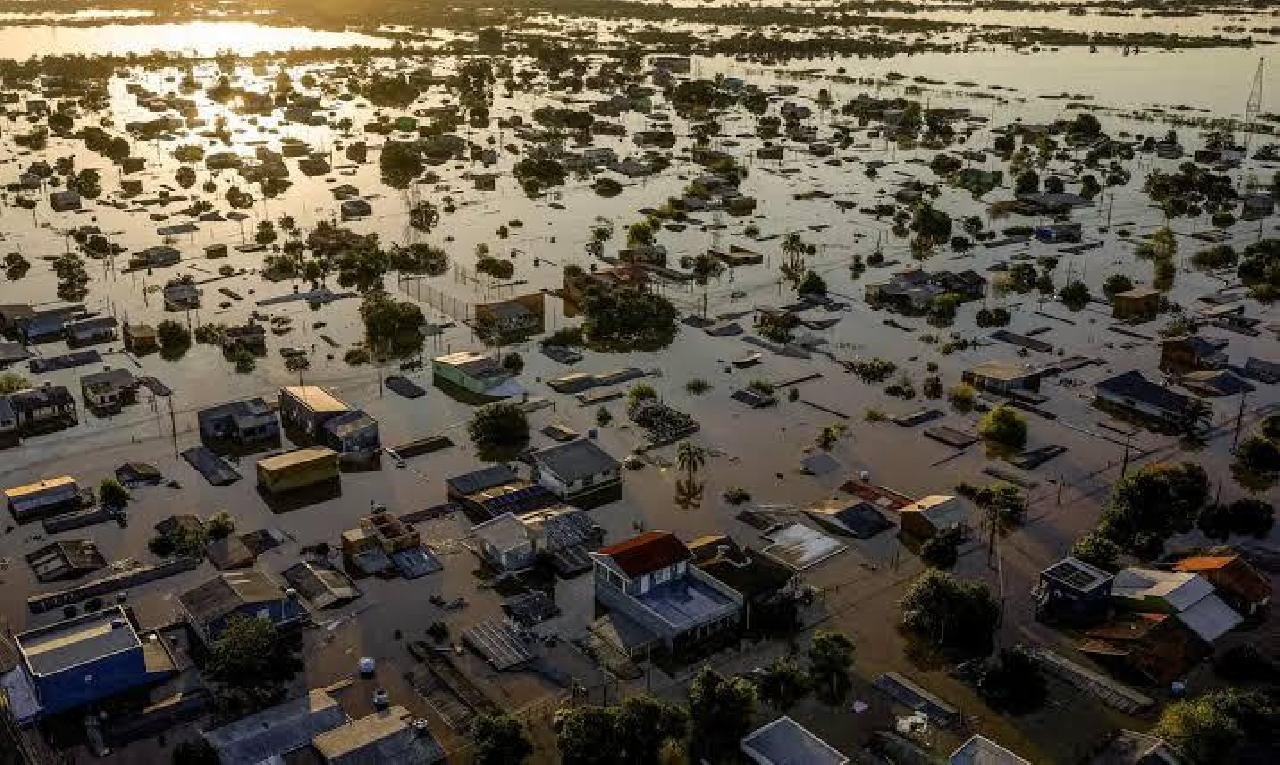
646,553
1231,573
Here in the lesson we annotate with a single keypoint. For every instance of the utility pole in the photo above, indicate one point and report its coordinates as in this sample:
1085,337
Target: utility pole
173,423
1124,466
1235,437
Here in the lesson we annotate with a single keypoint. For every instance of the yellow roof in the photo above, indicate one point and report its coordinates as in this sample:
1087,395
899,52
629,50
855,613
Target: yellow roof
39,486
315,398
297,457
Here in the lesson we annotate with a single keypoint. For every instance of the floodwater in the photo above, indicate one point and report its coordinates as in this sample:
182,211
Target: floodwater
197,38
757,450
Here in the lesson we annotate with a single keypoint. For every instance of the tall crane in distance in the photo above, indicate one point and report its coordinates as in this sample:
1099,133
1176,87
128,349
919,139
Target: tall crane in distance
1253,107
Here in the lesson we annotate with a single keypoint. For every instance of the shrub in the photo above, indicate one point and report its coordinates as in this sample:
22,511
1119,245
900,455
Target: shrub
112,494
499,425
1003,427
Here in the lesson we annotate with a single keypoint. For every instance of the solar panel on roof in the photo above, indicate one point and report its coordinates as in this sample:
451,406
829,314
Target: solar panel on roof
1073,575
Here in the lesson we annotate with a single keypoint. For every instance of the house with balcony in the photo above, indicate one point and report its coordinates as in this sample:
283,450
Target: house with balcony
43,409
656,598
110,390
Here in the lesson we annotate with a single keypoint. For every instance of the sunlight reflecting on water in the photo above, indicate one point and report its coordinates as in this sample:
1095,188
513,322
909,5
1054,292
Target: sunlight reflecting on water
199,38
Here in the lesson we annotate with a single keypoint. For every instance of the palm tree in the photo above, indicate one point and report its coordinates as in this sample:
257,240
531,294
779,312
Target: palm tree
793,248
1196,418
690,458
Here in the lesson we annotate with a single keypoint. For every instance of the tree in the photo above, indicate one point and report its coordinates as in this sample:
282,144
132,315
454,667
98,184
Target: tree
1013,683
830,661
499,740
793,263
942,549
174,338
962,396
587,735
828,437
952,614
112,494
498,425
220,525
1194,419
628,320
691,458
12,382
1161,247
1150,504
1003,427
1252,517
642,726
1245,517
250,663
393,328
513,363
1258,455
1002,502
1027,182
1096,550
721,712
1210,728
1074,295
1115,284
639,393
783,683
812,284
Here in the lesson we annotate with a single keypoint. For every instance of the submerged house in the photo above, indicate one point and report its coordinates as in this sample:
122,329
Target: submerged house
250,421
648,581
1139,303
1072,591
251,593
1241,585
88,659
1192,352
44,497
930,515
516,317
474,373
90,331
1189,597
1005,378
914,290
109,390
307,408
505,543
578,472
1133,394
352,434
45,408
180,295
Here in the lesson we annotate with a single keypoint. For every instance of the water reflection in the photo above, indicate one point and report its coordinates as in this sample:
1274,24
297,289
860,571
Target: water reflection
197,38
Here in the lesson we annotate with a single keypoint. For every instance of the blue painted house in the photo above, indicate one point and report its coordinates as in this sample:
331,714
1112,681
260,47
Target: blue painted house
90,658
250,593
1073,592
